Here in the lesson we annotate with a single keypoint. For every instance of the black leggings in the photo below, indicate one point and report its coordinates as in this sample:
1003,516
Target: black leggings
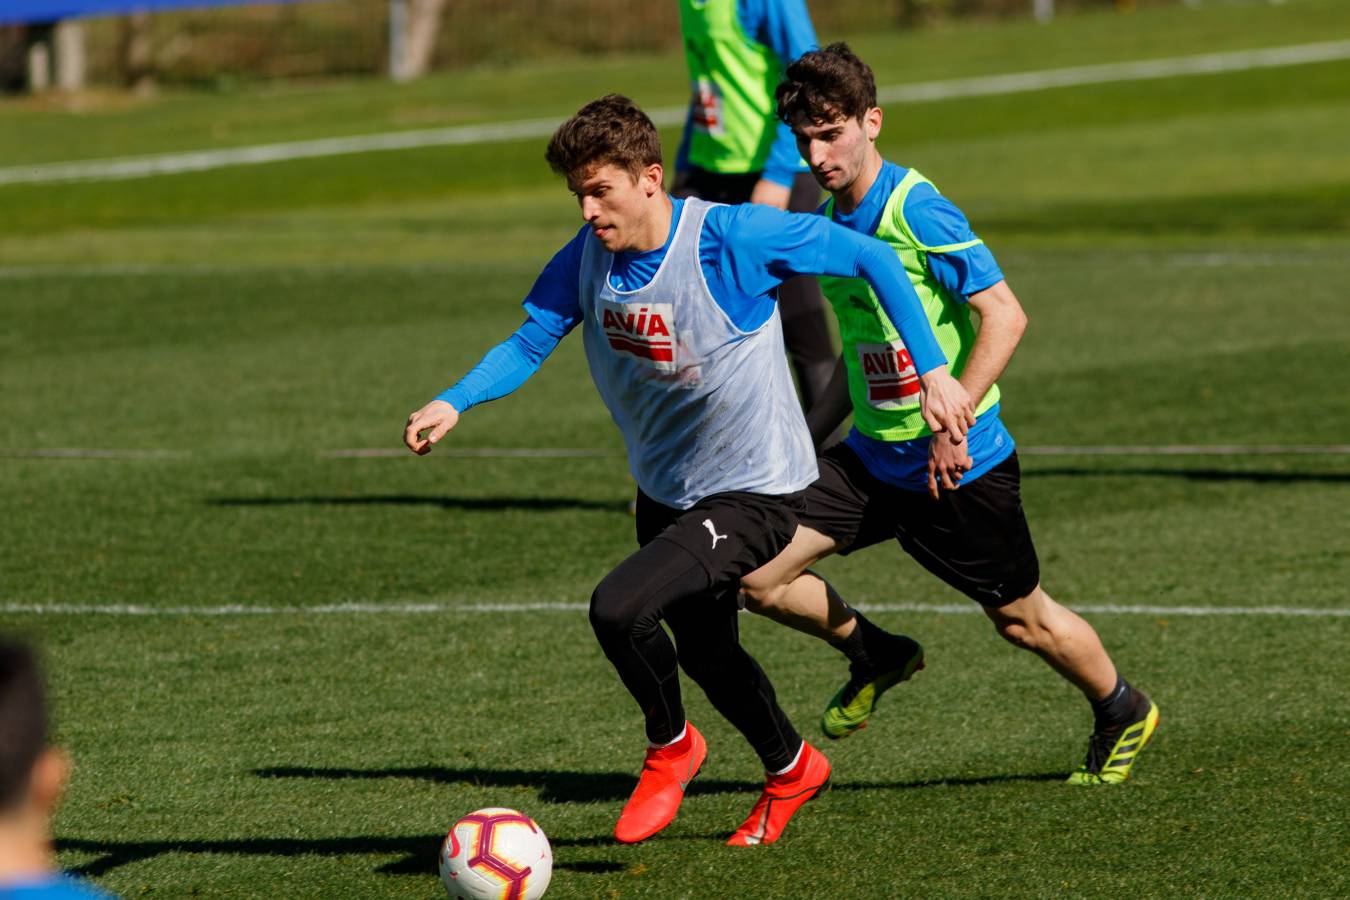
665,581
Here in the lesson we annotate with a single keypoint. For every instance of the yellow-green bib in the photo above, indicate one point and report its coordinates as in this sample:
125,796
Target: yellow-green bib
733,77
882,382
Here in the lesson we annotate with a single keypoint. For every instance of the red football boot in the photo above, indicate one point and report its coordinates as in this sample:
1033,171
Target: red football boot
783,795
666,772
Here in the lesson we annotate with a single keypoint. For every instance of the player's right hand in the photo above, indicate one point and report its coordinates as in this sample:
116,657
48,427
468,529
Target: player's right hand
435,419
947,407
948,463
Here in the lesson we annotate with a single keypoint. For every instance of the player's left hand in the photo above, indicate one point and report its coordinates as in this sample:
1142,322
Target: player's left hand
770,193
946,405
949,463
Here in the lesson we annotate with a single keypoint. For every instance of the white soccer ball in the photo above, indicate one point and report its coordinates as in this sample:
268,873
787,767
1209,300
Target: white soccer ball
496,854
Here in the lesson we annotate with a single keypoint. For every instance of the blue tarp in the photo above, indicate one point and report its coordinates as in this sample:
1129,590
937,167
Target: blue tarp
12,11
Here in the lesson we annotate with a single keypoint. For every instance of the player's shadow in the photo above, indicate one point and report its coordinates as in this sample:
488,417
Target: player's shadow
586,787
471,504
1209,475
552,786
419,852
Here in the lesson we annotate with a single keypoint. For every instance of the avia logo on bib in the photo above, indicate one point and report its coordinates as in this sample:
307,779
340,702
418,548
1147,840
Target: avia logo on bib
641,330
706,108
891,380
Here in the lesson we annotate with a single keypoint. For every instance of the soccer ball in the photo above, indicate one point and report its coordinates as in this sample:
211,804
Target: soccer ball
496,854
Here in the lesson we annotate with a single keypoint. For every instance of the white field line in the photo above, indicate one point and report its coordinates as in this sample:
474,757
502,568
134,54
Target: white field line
124,609
86,453
992,85
479,453
584,453
1192,450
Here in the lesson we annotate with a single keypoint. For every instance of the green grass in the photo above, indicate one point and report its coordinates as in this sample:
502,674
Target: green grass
1181,247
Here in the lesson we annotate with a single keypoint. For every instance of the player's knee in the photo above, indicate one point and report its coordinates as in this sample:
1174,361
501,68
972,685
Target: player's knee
761,597
612,613
1017,629
1023,623
1017,633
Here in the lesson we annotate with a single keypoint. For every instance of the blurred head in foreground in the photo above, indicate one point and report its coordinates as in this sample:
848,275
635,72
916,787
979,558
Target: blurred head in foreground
32,774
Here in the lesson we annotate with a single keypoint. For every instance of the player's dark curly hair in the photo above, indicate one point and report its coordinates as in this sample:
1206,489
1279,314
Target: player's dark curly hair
825,85
23,720
608,131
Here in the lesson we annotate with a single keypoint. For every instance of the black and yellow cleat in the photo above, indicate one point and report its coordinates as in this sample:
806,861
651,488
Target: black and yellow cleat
852,705
1112,751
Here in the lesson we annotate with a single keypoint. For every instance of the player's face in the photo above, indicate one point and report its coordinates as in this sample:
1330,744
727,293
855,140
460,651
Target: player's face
618,206
837,150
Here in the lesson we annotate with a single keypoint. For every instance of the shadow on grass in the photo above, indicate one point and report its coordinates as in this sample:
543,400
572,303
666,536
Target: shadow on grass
552,786
1214,475
419,851
533,504
590,787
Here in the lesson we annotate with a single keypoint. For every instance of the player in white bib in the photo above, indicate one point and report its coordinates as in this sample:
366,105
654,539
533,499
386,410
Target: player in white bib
676,300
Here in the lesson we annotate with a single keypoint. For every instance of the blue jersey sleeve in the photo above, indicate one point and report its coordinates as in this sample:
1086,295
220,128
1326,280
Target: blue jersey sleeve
552,309
937,222
555,300
784,26
762,247
503,368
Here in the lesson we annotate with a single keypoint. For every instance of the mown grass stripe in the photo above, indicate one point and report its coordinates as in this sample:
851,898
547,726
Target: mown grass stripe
202,160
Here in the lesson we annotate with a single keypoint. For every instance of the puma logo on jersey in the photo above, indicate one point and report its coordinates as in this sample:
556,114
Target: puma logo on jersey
640,330
708,524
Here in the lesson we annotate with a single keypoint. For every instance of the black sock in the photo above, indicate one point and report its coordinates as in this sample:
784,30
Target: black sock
852,646
1115,707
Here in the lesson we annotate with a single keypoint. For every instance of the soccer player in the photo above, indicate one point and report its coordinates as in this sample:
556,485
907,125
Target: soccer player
734,149
955,508
31,777
675,300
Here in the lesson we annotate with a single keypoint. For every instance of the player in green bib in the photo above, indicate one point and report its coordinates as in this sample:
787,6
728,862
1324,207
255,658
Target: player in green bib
956,508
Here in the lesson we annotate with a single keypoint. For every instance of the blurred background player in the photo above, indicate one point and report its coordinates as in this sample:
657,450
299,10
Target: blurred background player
735,150
676,300
889,478
32,775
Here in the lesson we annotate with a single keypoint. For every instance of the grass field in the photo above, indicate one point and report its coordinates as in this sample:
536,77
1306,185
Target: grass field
1182,248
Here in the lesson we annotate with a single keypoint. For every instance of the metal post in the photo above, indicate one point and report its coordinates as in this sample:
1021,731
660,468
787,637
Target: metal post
1043,10
39,58
68,39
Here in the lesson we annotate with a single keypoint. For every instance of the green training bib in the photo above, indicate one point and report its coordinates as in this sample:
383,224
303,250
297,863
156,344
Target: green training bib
882,381
732,119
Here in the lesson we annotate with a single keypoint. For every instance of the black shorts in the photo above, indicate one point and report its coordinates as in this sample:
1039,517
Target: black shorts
730,534
975,539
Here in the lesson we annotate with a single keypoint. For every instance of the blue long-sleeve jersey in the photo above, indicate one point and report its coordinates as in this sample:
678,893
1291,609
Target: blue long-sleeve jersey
745,252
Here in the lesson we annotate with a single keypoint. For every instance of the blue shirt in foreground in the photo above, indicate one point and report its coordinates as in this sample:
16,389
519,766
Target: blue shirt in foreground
54,887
